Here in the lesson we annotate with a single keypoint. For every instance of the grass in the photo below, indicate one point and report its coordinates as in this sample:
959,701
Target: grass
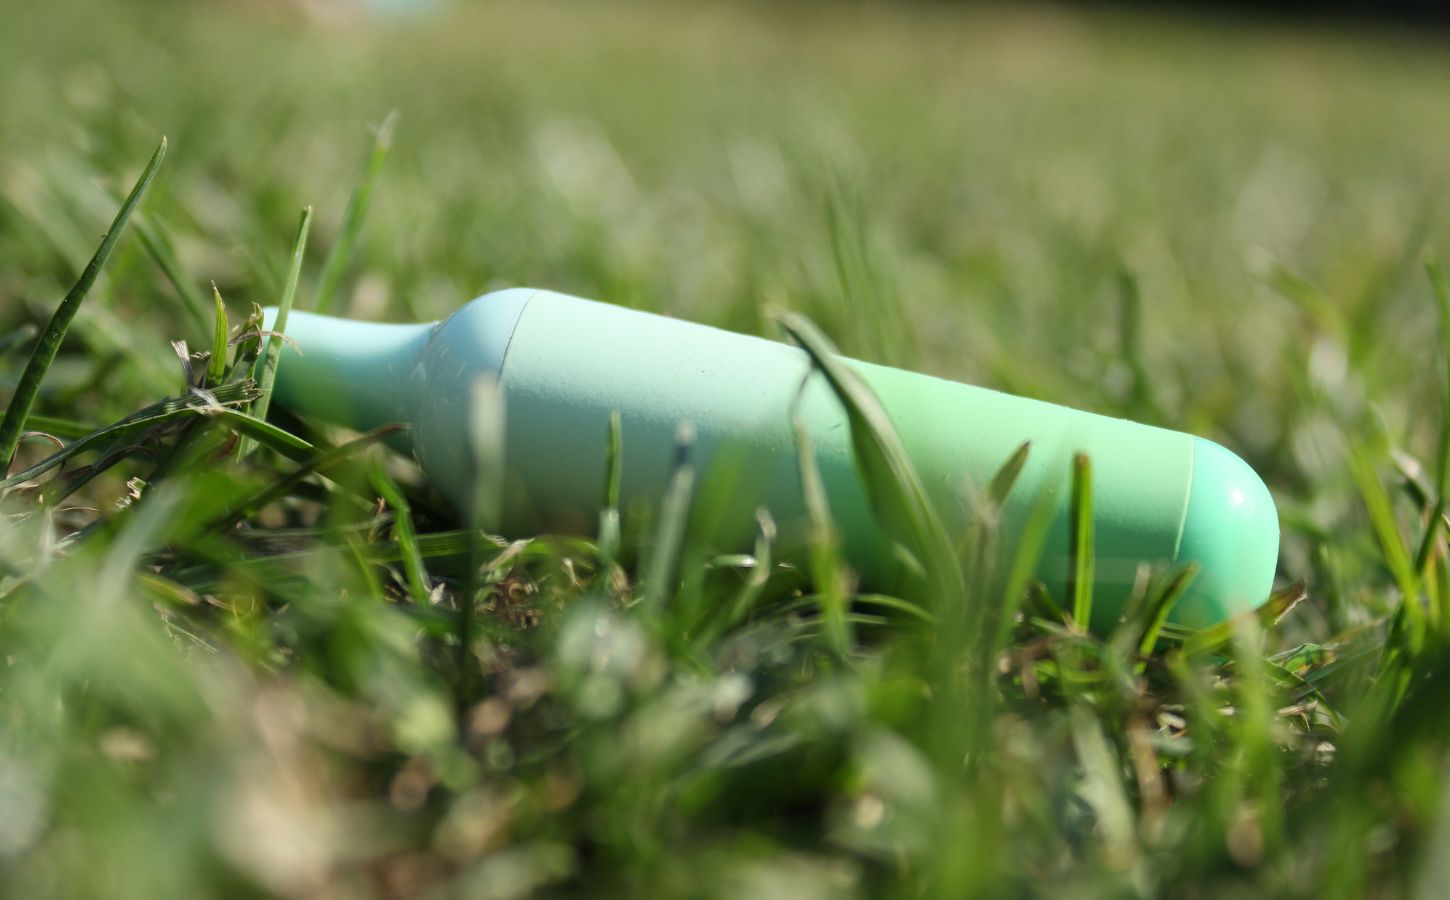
18,410
295,672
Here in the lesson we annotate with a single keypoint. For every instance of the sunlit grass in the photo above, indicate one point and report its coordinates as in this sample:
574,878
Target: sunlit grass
297,672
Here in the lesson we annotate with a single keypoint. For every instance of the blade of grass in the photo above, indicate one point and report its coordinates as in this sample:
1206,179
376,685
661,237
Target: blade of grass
1256,721
149,417
1301,690
609,527
669,537
279,325
1080,587
414,571
744,601
1006,478
883,601
486,446
116,338
44,354
827,570
248,343
892,484
1441,290
486,439
1162,607
352,217
1387,532
285,443
320,464
66,484
216,365
1101,786
161,252
979,548
61,428
1215,639
1030,541
1130,344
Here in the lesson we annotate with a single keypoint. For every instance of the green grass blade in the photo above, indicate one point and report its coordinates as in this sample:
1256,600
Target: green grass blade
662,569
486,446
613,461
216,366
414,571
891,481
1101,786
1162,607
284,442
609,522
1441,290
1218,637
352,218
1387,532
486,439
61,428
279,326
744,601
827,570
161,252
161,413
248,344
44,354
895,604
1301,690
1080,584
1434,524
319,464
1006,477
1030,542
1130,344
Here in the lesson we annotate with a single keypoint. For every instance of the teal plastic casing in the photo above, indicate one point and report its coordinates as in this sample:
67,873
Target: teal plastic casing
565,364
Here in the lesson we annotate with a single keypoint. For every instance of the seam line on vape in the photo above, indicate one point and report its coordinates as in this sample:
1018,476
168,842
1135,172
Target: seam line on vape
503,360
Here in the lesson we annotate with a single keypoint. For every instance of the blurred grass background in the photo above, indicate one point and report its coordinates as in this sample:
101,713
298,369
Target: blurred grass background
1209,223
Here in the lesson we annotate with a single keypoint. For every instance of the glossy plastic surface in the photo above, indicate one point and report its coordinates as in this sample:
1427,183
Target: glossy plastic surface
1232,530
1161,497
366,374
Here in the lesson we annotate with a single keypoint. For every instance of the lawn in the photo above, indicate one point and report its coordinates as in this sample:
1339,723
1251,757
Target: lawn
251,659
